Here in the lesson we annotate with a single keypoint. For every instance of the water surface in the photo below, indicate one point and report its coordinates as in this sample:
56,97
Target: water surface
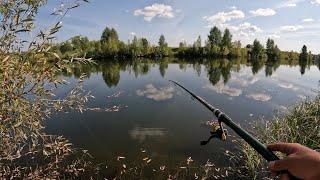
160,118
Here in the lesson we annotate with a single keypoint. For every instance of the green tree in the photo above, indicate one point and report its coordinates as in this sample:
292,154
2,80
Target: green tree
304,53
215,36
198,43
197,47
162,41
256,50
80,43
66,47
109,34
136,47
110,42
226,39
145,46
163,49
272,50
182,50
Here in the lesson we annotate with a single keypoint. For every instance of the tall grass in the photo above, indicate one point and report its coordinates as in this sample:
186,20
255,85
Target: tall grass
301,124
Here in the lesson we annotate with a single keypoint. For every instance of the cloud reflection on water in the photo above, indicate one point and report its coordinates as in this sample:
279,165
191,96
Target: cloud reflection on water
141,134
224,89
288,86
244,82
259,97
155,94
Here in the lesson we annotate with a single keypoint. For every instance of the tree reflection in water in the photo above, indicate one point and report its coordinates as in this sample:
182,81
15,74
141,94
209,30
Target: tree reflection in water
216,69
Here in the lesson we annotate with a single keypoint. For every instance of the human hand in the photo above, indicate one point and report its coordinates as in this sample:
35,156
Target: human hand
301,162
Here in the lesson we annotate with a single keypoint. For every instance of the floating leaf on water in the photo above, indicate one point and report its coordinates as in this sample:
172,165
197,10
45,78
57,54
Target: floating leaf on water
189,160
120,158
162,168
196,176
115,95
223,136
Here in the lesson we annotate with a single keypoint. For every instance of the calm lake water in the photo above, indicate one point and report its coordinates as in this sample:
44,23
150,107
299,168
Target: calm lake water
160,118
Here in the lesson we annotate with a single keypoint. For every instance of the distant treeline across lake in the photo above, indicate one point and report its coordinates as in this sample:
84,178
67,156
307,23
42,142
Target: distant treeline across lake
218,44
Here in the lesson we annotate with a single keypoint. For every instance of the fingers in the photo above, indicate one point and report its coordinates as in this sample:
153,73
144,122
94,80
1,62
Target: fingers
279,165
287,148
284,177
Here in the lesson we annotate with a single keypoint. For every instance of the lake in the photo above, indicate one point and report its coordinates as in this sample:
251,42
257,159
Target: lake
147,113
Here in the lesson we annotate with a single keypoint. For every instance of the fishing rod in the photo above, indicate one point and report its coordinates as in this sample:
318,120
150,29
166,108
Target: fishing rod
223,118
221,133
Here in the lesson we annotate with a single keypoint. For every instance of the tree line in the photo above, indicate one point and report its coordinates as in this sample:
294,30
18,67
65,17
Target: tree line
218,44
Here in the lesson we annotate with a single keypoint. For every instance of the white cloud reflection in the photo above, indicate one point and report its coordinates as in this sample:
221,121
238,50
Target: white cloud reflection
244,81
225,89
288,86
259,97
141,134
155,94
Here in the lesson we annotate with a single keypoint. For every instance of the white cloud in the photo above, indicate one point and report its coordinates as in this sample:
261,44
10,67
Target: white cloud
233,7
223,17
290,5
222,20
155,10
178,10
249,27
132,33
245,29
274,36
290,28
243,34
316,2
308,20
263,12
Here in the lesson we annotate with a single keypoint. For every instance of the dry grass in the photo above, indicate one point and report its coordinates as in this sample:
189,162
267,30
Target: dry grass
301,124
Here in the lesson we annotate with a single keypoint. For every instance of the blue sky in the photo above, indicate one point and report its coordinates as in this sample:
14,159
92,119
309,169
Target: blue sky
291,23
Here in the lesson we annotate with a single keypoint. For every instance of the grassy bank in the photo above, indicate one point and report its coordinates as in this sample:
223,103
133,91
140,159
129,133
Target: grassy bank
300,124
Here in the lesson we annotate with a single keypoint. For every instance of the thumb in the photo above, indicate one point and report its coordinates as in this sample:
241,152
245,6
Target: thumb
279,165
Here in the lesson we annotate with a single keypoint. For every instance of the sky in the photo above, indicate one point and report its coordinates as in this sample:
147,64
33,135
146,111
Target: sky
291,23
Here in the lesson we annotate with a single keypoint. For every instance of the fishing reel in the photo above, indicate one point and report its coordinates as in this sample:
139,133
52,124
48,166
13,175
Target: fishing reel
218,132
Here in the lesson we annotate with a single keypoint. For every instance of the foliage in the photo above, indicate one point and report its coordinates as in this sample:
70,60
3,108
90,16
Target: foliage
304,53
215,46
256,50
28,76
226,39
272,50
298,125
215,37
